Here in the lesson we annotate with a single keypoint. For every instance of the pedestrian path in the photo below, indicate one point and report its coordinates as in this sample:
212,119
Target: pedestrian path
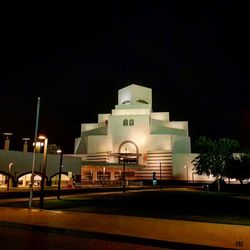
184,232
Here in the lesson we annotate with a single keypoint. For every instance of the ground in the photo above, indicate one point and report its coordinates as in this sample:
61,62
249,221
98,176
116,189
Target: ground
172,203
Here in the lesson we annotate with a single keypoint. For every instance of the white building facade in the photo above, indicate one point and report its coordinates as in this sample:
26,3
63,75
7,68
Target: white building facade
152,144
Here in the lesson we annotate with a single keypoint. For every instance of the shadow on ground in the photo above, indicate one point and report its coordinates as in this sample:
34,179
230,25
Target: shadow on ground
183,205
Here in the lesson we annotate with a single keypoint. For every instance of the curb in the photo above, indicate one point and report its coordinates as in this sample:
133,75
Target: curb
110,237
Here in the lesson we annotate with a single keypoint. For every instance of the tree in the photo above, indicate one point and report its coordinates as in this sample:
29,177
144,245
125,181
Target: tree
213,156
238,167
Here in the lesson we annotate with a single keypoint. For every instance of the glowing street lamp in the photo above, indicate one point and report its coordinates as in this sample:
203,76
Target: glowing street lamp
186,167
9,169
124,170
25,145
160,178
7,140
103,176
124,173
38,146
43,168
59,151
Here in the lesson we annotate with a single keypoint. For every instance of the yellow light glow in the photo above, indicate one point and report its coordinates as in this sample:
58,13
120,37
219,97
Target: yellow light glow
42,137
59,151
38,143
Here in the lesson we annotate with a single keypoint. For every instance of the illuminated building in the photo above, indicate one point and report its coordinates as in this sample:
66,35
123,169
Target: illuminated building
146,140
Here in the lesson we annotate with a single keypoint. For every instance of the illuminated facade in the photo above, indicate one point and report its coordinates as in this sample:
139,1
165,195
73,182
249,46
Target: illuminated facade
15,166
147,139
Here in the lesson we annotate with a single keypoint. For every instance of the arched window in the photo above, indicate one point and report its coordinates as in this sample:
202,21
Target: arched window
126,102
131,122
142,101
125,122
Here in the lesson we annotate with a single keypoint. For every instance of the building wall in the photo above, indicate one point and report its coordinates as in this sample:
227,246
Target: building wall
151,132
134,93
139,133
102,118
160,142
22,163
182,173
180,144
131,110
88,126
179,125
101,143
160,116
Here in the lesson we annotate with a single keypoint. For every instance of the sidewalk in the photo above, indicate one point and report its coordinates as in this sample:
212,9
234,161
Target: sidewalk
115,226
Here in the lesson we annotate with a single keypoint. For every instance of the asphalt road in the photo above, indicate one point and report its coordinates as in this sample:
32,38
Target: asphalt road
24,239
135,215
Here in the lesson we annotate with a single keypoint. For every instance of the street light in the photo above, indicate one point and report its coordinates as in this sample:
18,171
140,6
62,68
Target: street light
7,140
124,174
25,144
59,151
8,182
124,170
160,178
34,154
103,176
186,167
43,168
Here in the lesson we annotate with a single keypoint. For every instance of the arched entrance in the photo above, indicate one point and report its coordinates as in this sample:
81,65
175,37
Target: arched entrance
64,179
24,180
130,149
5,178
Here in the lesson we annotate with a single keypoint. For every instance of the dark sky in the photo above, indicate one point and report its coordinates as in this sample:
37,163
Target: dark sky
195,57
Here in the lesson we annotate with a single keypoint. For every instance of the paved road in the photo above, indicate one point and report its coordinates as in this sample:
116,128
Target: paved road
25,239
141,230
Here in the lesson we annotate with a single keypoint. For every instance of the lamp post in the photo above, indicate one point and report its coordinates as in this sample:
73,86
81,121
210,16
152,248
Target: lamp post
124,170
7,140
160,178
186,167
34,154
59,151
124,174
9,169
25,144
43,168
103,176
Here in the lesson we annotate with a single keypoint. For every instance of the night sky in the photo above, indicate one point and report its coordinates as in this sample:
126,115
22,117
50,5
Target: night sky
195,57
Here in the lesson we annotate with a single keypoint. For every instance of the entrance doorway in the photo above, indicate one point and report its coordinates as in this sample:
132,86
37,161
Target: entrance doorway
129,150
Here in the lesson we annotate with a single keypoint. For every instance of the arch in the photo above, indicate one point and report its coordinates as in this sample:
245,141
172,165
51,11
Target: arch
131,122
24,179
6,174
64,178
129,142
29,172
142,101
126,102
125,122
55,174
131,155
